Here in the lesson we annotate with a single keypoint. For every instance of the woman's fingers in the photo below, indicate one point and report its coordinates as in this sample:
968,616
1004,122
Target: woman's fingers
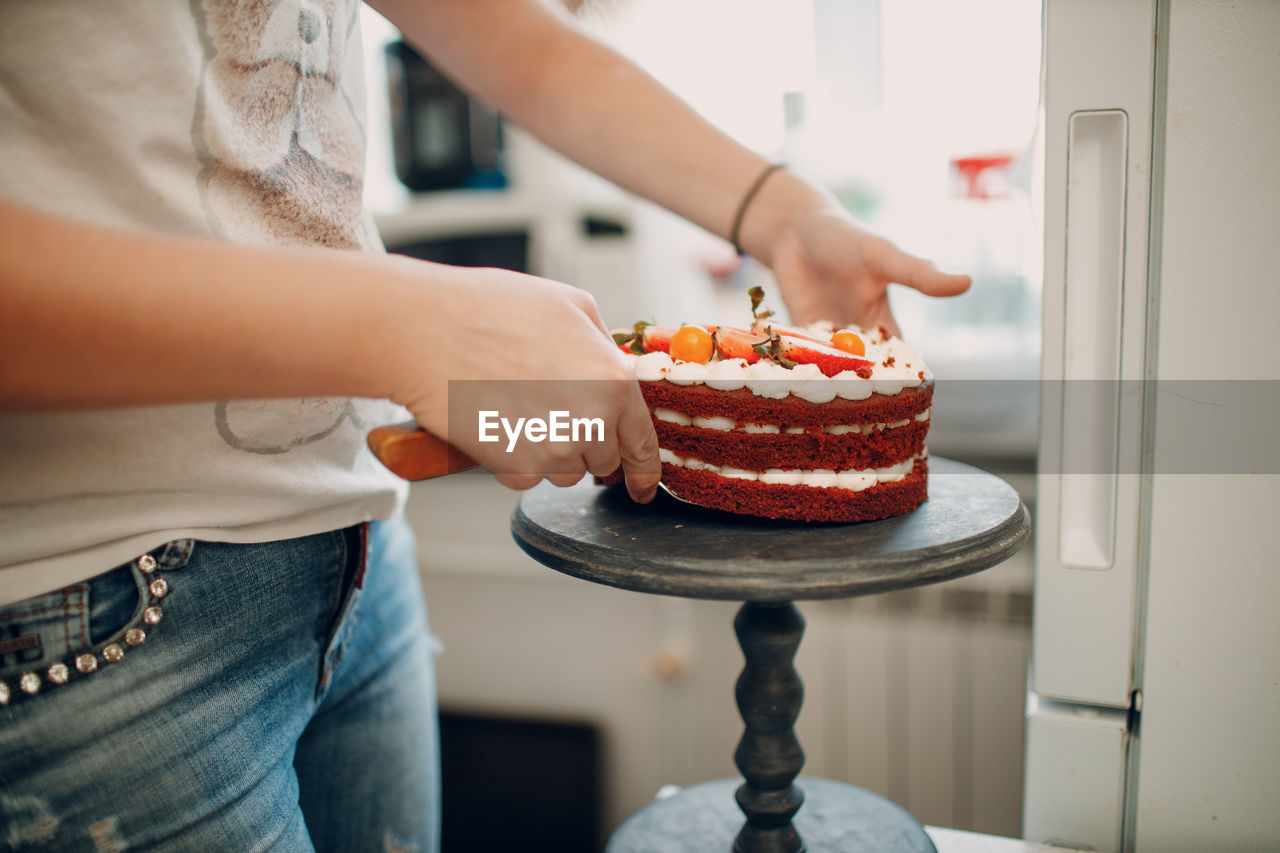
534,388
638,449
898,266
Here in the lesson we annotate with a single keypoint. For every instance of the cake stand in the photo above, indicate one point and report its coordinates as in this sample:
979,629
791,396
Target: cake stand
971,521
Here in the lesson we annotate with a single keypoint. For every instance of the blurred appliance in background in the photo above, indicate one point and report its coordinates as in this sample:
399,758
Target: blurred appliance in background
503,250
519,784
442,138
587,243
1155,679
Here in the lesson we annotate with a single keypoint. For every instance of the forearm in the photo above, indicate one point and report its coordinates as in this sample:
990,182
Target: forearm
602,111
97,317
133,319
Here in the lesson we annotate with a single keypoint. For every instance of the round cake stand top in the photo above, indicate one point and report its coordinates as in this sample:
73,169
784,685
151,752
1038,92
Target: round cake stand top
971,521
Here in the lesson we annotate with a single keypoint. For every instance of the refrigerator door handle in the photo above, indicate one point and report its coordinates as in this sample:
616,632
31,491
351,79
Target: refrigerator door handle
1097,163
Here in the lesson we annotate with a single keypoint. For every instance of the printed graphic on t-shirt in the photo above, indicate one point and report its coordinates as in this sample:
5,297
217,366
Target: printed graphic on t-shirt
268,427
283,135
281,130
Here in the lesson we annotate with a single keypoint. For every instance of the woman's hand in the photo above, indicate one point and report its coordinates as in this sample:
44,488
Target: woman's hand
518,346
828,268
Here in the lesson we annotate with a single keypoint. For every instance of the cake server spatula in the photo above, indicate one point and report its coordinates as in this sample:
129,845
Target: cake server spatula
409,451
662,485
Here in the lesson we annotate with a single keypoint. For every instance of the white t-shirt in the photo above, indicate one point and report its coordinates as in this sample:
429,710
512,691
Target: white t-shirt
232,121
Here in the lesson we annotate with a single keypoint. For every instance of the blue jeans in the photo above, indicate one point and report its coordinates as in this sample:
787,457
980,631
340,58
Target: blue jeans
215,697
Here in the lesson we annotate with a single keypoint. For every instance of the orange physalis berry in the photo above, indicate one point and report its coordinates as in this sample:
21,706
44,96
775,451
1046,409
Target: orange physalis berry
849,341
691,343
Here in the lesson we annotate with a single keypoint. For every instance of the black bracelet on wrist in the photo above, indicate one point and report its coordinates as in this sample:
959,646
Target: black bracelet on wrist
746,202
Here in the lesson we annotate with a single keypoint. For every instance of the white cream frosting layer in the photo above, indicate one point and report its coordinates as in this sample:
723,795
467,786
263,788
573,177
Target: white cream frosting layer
852,480
896,364
724,424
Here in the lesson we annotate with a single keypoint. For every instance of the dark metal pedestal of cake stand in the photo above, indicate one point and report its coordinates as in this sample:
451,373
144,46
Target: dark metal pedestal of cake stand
972,521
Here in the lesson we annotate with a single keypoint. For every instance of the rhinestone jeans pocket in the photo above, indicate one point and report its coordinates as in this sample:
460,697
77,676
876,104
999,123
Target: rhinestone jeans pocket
57,638
210,736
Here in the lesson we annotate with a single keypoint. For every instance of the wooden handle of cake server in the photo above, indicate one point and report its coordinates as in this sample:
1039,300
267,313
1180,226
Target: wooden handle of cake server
409,451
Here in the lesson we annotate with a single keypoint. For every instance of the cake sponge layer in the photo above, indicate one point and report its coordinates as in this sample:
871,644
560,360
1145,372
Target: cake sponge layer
799,503
742,405
756,452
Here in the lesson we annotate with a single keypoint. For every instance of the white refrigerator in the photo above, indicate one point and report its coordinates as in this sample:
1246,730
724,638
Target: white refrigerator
1153,713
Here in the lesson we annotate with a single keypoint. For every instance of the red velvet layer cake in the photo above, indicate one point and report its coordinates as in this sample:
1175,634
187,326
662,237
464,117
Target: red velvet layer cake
800,424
